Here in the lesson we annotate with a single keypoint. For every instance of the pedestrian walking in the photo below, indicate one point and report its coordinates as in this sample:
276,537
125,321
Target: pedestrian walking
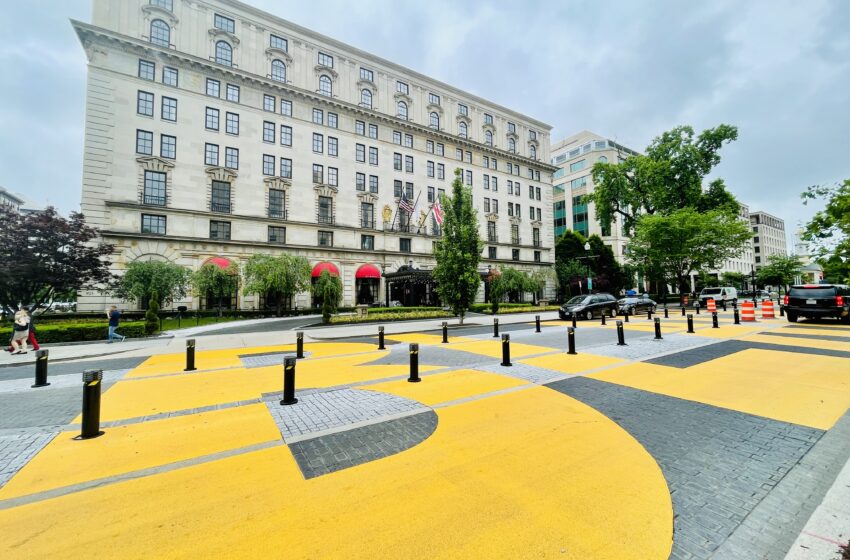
31,338
20,332
114,318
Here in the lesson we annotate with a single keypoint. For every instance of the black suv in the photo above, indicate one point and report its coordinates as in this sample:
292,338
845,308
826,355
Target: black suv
589,306
815,301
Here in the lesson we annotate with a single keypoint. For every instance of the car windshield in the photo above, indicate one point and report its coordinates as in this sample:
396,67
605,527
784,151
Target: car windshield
576,299
813,292
711,291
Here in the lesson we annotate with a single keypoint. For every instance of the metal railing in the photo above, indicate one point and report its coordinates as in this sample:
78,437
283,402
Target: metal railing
277,214
223,208
323,218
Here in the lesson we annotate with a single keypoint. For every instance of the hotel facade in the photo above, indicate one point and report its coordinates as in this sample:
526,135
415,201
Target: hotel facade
215,131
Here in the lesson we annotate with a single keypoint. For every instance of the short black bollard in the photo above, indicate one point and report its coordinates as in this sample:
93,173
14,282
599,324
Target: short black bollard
683,311
724,305
445,332
781,311
414,364
657,328
571,340
91,404
690,323
696,307
621,337
735,304
41,369
603,318
736,316
289,381
574,320
190,355
537,323
506,350
381,338
714,324
666,312
299,345
495,327
649,314
626,315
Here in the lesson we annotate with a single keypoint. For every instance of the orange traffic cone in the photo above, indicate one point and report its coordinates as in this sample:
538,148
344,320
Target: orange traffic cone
711,307
748,312
767,310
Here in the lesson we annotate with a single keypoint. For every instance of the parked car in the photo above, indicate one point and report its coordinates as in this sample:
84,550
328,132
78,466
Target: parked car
817,301
589,306
718,294
632,305
759,295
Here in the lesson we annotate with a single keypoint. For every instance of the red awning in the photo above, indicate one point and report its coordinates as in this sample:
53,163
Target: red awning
367,271
220,262
321,267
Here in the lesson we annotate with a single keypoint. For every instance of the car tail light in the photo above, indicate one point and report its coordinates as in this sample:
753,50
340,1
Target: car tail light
785,301
839,301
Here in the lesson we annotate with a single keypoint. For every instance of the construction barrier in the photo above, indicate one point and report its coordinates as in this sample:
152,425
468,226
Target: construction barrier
748,312
711,306
767,310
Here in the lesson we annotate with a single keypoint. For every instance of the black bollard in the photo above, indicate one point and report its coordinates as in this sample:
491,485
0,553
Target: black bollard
724,305
781,311
690,323
414,364
91,404
537,323
603,318
626,315
299,345
666,312
714,324
41,369
696,307
574,320
445,332
381,338
683,311
649,314
571,340
190,355
289,381
735,304
621,337
506,350
737,317
657,328
495,327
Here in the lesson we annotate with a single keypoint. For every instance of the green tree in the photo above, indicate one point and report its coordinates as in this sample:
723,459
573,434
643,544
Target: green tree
152,314
836,269
509,282
667,178
569,246
780,270
829,229
459,252
45,255
214,282
608,275
571,275
143,278
569,269
538,280
329,289
686,241
282,277
734,279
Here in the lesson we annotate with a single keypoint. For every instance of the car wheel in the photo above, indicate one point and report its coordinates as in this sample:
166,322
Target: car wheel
792,317
588,315
612,312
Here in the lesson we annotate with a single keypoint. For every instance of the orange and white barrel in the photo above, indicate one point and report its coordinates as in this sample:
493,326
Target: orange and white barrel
767,310
711,306
748,312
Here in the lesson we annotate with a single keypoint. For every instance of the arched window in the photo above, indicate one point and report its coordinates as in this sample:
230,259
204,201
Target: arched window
278,70
325,85
366,98
532,151
224,53
160,33
435,121
461,129
511,145
402,110
603,159
488,138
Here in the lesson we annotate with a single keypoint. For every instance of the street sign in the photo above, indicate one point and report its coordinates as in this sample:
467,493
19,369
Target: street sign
589,283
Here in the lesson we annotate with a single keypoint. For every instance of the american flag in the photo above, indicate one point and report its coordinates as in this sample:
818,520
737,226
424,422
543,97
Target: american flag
405,204
438,212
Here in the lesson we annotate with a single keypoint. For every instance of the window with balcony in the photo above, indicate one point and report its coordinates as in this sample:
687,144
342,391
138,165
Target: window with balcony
367,215
154,188
491,232
220,199
276,204
326,210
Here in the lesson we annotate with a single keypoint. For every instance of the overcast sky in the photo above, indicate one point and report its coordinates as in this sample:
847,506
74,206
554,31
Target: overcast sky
779,70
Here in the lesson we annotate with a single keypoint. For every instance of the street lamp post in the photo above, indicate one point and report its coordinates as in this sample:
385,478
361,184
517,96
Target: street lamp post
753,276
587,265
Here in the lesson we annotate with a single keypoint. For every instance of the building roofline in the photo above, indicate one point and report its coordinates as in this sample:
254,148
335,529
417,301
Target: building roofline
12,195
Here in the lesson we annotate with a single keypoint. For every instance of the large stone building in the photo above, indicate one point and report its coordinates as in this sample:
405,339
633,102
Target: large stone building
215,131
769,237
574,156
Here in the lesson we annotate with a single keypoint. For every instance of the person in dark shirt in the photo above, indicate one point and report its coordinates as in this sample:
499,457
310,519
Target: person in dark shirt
114,318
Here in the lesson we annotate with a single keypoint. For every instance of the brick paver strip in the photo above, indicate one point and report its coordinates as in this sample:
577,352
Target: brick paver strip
334,452
16,450
718,463
725,348
63,368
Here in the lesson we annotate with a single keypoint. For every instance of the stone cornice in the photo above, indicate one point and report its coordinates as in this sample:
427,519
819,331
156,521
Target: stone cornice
153,11
216,33
273,53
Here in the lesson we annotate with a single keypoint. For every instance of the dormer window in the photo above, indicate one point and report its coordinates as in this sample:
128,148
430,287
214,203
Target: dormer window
402,87
164,4
279,43
224,23
326,60
463,110
366,74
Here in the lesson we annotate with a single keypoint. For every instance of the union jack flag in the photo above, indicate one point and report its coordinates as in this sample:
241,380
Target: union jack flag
438,212
405,204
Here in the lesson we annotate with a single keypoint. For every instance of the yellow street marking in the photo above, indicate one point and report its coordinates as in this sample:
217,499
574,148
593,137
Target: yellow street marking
788,386
139,446
800,342
727,331
449,386
567,363
493,348
529,474
818,332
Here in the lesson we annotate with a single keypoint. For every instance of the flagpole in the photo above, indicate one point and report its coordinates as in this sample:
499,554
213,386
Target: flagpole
412,214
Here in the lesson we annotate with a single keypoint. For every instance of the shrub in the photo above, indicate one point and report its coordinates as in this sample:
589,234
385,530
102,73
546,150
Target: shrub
389,317
74,332
151,315
373,310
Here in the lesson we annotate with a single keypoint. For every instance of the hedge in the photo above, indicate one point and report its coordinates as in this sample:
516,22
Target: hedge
389,317
74,332
485,307
373,310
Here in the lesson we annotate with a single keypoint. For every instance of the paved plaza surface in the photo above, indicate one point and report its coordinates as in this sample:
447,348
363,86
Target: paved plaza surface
729,442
